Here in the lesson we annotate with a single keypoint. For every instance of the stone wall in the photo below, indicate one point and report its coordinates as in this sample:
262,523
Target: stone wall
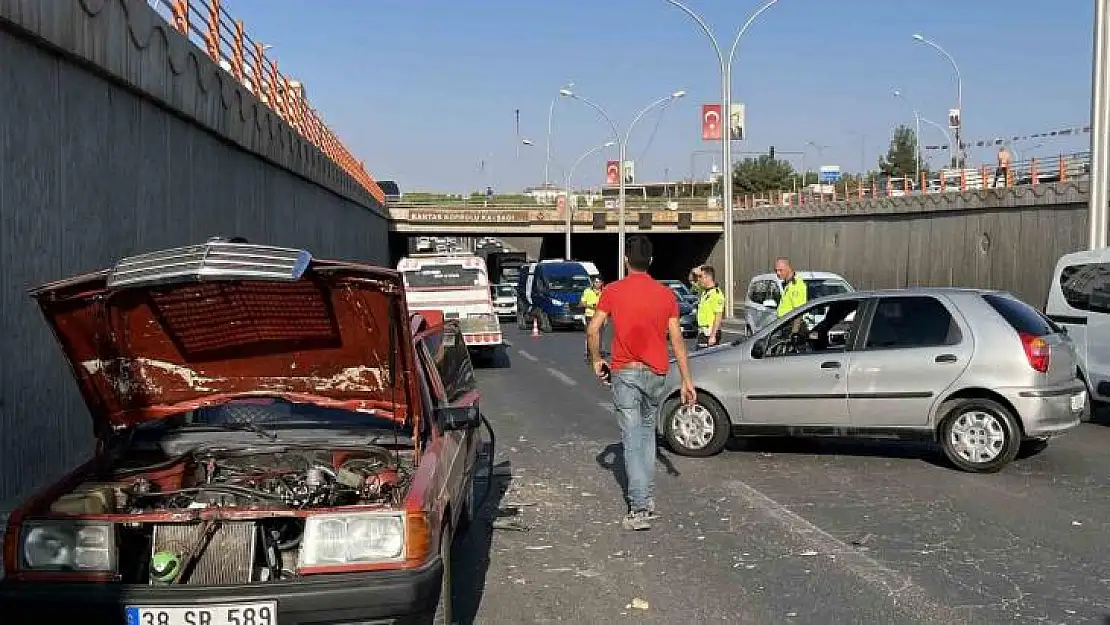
1006,239
117,136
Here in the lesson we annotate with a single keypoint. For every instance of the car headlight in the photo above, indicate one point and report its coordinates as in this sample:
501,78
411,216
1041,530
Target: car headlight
335,539
68,546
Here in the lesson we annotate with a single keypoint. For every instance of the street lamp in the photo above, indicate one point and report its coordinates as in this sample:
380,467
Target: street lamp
959,95
1100,129
623,149
726,138
566,186
916,135
550,115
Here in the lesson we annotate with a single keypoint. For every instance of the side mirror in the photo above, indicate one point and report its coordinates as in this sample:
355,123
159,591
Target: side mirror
452,418
770,303
759,349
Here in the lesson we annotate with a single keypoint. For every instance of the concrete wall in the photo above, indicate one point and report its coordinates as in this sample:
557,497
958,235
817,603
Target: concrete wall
1006,239
118,137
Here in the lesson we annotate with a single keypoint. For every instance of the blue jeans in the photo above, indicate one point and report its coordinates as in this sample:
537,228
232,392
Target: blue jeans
637,393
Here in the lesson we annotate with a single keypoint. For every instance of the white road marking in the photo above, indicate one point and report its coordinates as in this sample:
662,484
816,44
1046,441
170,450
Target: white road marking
902,590
527,355
562,377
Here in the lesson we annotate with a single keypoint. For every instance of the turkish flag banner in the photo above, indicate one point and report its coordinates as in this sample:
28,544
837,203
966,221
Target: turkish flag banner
711,122
613,172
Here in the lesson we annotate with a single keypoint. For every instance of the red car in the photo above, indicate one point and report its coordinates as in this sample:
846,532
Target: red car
278,442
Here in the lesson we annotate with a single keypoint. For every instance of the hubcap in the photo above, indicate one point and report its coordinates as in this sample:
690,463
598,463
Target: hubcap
693,426
977,436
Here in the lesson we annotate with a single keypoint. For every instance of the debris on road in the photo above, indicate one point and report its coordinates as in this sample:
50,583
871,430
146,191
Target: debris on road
808,553
862,540
638,604
537,547
511,525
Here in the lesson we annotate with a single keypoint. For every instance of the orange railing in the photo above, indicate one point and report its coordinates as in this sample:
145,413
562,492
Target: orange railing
211,28
1031,172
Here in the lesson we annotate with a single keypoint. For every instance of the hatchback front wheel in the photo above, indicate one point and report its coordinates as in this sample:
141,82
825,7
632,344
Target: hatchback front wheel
980,435
697,431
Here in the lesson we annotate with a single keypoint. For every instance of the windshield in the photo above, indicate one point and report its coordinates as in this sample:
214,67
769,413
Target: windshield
268,415
443,276
504,291
820,288
679,289
568,282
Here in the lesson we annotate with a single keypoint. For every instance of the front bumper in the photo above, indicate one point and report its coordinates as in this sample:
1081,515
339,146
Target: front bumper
1048,412
505,310
379,597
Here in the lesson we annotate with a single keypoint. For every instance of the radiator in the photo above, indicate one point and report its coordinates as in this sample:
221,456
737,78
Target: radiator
227,559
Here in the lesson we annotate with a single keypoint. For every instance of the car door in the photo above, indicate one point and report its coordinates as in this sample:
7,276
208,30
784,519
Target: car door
456,374
808,388
915,347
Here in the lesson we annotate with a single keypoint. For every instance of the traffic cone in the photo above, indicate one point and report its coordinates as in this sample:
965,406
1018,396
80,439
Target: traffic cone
535,328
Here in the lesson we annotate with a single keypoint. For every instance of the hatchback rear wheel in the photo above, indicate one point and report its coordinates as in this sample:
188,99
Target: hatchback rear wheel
979,435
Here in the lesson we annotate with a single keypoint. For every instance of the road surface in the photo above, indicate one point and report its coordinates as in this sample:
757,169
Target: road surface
774,531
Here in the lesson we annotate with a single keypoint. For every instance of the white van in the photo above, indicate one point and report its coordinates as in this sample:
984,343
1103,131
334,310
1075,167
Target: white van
765,290
1079,301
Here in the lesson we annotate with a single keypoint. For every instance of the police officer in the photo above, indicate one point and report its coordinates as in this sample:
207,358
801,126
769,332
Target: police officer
590,297
794,292
711,308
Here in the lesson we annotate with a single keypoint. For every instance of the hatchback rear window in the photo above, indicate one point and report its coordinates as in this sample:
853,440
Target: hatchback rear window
1023,317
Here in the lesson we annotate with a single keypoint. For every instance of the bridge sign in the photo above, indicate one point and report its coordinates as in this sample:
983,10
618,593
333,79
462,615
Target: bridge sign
829,174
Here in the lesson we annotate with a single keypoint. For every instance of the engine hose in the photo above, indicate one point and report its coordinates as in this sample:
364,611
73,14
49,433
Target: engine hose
489,481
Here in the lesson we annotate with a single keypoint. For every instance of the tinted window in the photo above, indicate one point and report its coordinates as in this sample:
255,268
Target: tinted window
912,322
434,276
814,329
1087,287
452,361
1021,316
816,289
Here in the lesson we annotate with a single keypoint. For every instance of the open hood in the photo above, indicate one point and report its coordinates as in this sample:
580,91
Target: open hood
171,331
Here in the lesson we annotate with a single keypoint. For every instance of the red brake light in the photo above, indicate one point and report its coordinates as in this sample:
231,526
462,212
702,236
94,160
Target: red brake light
1036,351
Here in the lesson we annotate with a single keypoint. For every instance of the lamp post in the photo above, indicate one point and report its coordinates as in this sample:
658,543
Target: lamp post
550,116
623,149
916,135
1100,129
566,187
959,96
726,138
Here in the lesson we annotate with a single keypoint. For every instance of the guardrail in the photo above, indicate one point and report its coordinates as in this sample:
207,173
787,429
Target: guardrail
1030,172
526,203
212,29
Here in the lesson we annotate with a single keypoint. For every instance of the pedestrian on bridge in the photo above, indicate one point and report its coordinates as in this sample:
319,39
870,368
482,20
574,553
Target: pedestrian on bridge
644,314
1003,169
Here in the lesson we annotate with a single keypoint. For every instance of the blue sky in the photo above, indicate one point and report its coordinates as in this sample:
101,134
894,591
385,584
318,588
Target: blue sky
425,90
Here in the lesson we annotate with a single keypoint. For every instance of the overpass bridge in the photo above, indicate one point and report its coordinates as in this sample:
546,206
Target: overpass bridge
685,232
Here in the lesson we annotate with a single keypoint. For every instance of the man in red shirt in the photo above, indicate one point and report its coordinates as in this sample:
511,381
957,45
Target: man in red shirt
644,313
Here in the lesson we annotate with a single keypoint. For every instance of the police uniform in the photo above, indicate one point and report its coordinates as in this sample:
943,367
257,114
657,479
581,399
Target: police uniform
793,295
590,297
711,303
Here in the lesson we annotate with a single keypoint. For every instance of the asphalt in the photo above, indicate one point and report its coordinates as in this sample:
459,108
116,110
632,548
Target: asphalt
772,531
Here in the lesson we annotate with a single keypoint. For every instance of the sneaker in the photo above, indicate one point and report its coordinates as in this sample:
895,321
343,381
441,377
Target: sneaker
636,521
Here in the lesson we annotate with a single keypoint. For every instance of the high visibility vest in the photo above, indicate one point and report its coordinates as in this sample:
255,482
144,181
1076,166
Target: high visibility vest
590,298
793,295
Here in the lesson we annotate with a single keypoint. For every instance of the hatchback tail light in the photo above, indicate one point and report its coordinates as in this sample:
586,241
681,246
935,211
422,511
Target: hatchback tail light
1036,351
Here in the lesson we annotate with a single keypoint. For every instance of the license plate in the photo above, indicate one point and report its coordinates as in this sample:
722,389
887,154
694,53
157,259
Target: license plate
263,613
1077,401
580,317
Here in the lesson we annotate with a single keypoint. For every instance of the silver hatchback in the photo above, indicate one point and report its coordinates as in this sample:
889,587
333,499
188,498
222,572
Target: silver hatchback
978,371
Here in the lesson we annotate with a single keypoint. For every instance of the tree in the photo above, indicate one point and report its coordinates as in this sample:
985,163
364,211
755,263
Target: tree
757,175
901,158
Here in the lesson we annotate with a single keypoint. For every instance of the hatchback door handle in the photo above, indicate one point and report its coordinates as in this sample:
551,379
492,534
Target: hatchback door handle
945,358
831,364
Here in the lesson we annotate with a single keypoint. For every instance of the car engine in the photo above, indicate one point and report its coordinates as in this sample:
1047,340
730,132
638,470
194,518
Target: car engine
241,548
